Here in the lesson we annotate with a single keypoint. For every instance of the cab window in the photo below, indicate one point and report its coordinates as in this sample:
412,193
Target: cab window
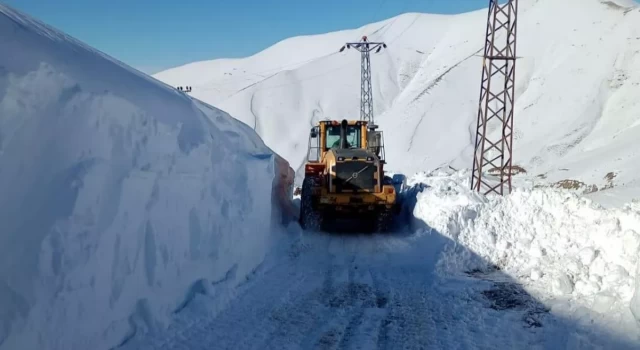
333,136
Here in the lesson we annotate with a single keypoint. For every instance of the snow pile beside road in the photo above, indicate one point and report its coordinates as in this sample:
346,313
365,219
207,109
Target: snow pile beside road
121,198
544,238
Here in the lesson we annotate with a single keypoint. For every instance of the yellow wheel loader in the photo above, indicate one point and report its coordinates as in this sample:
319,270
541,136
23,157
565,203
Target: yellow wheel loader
344,178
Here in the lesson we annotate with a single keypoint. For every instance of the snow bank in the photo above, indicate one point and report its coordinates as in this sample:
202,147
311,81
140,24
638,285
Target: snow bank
120,195
544,238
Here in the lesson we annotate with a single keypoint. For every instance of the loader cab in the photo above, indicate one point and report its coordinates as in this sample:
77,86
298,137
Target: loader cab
332,134
334,137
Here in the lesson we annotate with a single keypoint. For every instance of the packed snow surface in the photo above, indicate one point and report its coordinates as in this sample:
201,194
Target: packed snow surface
577,115
118,194
538,269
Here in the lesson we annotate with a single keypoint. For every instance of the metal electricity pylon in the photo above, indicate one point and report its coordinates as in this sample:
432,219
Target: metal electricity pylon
497,98
366,94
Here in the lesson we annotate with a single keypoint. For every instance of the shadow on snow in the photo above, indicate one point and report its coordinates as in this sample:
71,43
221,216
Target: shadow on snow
504,294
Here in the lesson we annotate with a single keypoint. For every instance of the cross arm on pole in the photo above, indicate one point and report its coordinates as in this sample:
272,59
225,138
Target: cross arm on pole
365,45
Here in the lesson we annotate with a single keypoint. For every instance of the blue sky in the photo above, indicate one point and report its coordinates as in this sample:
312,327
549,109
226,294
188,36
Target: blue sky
155,35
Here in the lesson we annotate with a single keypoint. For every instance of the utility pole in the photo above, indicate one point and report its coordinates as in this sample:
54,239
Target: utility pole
497,98
366,94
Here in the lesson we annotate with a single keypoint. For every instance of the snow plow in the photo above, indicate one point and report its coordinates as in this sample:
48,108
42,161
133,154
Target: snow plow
344,178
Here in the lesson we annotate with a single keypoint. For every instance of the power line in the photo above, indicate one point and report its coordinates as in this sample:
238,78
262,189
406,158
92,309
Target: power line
312,77
219,82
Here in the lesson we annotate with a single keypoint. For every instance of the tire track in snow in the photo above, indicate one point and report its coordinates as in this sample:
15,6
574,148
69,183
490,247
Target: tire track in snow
357,308
306,312
368,315
325,336
356,318
354,305
335,299
327,283
342,305
382,336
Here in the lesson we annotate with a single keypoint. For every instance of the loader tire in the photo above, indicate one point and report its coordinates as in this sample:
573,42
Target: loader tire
383,221
310,218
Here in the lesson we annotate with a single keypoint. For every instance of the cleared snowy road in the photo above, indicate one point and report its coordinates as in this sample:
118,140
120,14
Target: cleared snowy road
367,292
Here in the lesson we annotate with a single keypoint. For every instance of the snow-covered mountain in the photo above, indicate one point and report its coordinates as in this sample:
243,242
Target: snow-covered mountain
577,116
119,196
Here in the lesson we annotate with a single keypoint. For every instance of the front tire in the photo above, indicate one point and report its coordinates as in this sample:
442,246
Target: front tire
310,218
383,221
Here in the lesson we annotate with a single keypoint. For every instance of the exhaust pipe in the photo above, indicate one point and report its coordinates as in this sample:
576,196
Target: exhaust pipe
343,134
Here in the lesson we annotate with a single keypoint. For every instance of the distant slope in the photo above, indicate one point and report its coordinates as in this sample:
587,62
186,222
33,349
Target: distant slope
577,113
120,197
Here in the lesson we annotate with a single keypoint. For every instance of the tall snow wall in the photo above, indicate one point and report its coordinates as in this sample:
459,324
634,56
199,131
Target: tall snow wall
117,194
